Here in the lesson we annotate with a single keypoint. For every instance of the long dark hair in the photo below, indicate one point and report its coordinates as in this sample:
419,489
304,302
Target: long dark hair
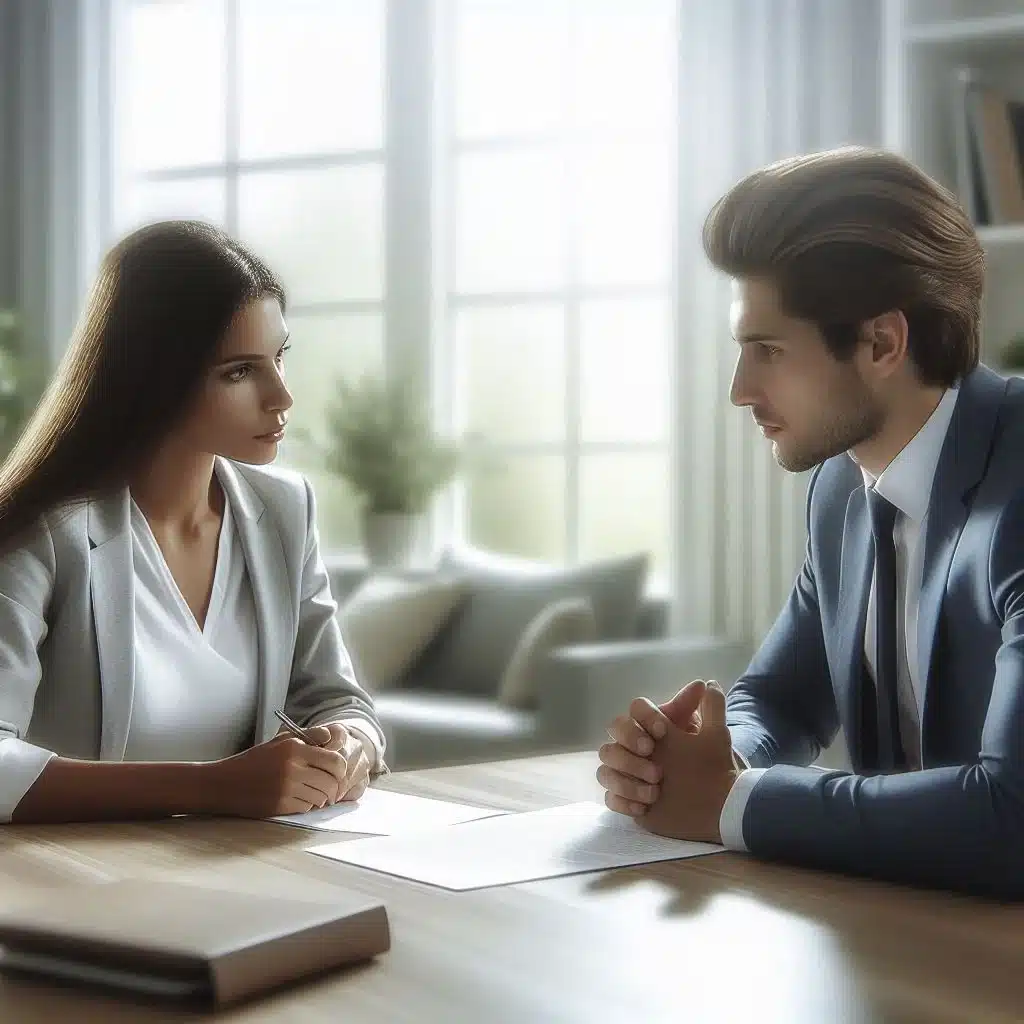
161,302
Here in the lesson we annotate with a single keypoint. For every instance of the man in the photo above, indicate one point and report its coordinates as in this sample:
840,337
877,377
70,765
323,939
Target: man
857,283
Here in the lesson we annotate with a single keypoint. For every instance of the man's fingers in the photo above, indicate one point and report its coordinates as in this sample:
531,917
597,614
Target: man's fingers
625,731
629,789
712,707
620,806
619,759
681,708
649,717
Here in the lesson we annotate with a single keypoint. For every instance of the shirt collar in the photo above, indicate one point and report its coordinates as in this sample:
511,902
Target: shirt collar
907,481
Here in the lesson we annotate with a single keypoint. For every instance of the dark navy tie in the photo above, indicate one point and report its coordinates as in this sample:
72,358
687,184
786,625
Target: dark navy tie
883,518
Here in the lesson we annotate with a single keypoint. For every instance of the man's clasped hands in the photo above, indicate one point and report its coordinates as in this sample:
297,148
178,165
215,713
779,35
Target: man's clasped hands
670,766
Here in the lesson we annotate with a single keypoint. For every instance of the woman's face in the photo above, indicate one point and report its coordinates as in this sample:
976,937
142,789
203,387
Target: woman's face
243,402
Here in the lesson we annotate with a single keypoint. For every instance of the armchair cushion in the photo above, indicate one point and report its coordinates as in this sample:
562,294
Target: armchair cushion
562,623
387,622
471,653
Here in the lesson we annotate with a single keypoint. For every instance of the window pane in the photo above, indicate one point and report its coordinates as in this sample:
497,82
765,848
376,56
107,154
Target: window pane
638,39
495,41
624,507
624,369
170,84
337,508
511,366
517,506
625,214
324,348
310,76
189,198
322,230
509,222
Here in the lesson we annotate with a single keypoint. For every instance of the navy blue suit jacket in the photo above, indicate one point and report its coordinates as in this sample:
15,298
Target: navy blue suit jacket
959,822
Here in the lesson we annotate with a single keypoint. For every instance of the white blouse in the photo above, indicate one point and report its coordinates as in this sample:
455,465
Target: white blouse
195,688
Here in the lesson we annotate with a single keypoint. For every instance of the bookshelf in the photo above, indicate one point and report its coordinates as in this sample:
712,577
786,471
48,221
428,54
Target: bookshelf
926,42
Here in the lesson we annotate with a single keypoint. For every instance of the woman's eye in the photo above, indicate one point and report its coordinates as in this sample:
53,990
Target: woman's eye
239,373
280,355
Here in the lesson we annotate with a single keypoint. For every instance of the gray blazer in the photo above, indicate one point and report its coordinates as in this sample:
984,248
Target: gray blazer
67,620
959,822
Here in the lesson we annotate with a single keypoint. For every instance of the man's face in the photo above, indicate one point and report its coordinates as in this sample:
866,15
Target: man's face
809,404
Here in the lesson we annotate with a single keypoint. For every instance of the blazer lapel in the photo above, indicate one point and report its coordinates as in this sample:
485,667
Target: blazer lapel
854,590
961,466
276,616
112,592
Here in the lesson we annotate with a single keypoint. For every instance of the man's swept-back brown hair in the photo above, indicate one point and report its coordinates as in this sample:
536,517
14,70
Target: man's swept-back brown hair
849,234
162,300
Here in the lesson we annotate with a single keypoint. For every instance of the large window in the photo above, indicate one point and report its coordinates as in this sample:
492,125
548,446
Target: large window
267,118
561,145
548,160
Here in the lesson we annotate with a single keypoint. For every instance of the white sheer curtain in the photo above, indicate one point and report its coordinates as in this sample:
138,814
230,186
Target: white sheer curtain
760,80
51,102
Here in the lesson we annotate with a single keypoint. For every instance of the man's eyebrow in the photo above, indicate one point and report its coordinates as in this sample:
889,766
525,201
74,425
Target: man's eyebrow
251,357
755,338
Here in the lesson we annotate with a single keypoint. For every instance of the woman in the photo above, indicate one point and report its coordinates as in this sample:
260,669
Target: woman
162,592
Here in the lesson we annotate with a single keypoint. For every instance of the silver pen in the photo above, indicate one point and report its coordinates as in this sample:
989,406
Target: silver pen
303,734
296,730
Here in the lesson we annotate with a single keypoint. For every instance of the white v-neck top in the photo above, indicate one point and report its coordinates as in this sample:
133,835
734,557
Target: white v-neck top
196,689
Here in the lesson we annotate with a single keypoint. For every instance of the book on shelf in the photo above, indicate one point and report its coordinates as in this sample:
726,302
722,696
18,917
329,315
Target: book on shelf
988,136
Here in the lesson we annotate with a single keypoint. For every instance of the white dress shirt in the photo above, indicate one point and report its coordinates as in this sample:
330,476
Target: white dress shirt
195,695
906,483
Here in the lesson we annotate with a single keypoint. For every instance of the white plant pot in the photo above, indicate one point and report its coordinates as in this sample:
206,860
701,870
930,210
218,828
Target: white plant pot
389,539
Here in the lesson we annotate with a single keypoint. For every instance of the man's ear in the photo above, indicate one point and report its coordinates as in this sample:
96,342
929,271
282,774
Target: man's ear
889,338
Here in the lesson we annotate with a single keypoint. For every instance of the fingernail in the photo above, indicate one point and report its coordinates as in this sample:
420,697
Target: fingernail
646,745
653,774
658,727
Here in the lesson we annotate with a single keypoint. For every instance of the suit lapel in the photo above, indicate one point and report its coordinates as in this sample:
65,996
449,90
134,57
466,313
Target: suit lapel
112,592
961,465
268,576
854,590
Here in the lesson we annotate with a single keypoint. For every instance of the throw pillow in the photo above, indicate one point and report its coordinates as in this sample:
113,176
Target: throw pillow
387,622
472,651
561,623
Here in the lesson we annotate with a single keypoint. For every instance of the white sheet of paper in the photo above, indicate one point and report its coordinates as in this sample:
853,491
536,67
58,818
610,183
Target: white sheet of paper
380,812
514,848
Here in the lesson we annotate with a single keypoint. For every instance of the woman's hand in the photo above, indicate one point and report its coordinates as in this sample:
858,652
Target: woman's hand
282,776
353,748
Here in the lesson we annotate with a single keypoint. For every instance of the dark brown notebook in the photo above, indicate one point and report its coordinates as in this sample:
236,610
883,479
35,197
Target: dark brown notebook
188,942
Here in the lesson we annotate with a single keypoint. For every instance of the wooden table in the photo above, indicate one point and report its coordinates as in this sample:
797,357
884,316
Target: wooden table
717,938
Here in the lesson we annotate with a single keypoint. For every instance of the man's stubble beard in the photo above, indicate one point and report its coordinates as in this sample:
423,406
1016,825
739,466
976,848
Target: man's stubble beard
858,422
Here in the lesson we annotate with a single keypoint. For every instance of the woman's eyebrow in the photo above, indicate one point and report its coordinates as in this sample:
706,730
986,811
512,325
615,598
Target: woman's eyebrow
251,356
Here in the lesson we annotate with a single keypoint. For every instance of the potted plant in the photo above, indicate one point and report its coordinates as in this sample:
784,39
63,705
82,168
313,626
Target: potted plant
14,402
382,442
1011,357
